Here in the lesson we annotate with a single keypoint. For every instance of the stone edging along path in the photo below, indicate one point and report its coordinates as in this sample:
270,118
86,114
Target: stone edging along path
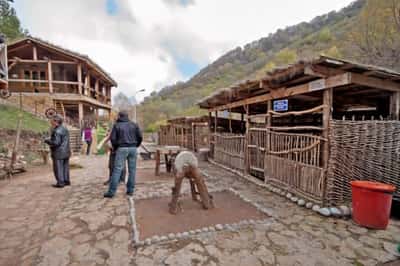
337,212
195,232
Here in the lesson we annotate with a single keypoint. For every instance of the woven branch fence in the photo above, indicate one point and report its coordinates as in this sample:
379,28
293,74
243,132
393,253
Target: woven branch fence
362,150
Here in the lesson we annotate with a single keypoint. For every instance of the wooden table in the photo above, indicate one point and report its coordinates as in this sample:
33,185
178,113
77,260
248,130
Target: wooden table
169,153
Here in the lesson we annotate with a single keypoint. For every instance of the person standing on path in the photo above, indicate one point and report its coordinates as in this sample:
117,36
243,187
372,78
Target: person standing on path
87,136
126,137
111,160
60,151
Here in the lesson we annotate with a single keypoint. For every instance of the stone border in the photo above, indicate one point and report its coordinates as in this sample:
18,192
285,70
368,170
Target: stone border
337,212
196,232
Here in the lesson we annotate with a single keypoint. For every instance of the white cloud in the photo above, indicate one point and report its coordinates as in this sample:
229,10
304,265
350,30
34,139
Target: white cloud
140,44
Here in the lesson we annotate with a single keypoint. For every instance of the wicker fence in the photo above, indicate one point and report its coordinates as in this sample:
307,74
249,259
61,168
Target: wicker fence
229,150
292,161
362,150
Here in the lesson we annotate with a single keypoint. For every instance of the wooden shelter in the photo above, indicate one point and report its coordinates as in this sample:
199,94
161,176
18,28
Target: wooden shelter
312,127
76,86
188,132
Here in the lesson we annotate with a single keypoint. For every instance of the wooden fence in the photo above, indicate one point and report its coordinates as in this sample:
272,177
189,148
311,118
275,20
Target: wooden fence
229,150
293,162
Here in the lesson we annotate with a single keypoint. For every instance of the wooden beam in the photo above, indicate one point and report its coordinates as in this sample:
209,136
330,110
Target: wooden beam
79,70
375,82
37,61
330,82
28,80
50,76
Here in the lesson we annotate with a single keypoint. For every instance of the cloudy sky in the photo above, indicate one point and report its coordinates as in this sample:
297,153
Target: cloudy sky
148,44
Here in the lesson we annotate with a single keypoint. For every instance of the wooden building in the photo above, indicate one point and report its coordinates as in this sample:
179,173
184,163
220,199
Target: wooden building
45,75
188,132
312,127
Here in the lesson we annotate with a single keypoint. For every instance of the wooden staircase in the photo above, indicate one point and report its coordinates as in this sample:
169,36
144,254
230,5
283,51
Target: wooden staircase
75,140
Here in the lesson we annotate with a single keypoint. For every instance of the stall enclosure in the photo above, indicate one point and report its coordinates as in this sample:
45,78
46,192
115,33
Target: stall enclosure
312,127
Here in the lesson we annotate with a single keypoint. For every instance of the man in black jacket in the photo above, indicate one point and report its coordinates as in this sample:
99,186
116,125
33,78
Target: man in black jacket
60,151
126,137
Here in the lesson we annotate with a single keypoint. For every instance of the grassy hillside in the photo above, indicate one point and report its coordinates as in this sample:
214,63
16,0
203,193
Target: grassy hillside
9,118
327,34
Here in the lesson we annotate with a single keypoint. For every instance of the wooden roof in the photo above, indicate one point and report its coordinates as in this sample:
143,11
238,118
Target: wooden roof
281,82
67,52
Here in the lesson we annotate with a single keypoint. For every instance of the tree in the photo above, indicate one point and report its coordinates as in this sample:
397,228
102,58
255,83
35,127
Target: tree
10,25
376,35
333,52
285,57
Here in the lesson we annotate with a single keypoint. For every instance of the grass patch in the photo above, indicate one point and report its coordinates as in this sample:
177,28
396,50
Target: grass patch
9,119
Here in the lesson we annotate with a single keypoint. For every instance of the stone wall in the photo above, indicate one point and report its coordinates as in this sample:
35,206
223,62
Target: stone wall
33,103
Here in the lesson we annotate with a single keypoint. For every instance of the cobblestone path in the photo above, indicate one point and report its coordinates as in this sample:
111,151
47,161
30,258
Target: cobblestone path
40,225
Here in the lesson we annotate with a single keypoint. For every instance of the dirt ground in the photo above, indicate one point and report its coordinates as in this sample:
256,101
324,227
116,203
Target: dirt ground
153,217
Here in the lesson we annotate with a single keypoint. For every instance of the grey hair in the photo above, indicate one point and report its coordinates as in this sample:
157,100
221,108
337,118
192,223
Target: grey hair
58,119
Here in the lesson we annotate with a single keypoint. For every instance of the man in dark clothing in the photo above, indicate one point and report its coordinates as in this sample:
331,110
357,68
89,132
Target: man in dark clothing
60,151
126,137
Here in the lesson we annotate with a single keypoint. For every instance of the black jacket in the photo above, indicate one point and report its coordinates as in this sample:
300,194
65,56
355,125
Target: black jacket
125,133
59,143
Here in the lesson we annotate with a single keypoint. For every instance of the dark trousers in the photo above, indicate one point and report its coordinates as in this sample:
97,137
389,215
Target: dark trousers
61,171
89,144
111,166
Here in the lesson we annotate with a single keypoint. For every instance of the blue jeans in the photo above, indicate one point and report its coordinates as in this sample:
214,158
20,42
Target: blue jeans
124,154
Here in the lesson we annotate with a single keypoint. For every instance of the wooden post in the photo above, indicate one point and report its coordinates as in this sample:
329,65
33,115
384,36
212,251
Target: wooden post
16,145
247,139
194,137
79,69
395,106
80,106
34,52
326,116
215,122
96,88
87,83
50,76
230,121
268,124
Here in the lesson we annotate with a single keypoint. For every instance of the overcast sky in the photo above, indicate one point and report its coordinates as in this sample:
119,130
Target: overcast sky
148,44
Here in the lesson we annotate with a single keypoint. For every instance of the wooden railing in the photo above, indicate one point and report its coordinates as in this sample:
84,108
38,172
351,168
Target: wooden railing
229,150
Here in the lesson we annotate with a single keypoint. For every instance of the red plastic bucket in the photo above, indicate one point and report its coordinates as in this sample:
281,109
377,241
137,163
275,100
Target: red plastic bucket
372,202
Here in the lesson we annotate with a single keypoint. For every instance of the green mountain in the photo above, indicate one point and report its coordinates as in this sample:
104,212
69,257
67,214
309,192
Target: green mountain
329,34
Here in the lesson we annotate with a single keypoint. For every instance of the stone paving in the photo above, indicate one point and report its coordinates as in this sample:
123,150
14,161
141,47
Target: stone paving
40,225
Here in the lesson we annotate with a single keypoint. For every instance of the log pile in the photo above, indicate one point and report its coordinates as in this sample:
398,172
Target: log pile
5,163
